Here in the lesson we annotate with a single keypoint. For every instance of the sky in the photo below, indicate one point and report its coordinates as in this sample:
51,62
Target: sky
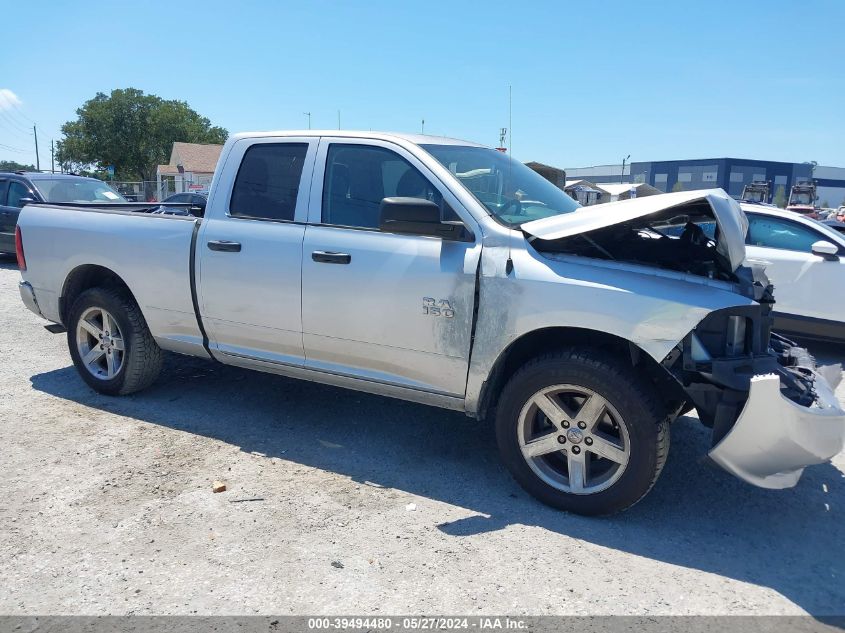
590,82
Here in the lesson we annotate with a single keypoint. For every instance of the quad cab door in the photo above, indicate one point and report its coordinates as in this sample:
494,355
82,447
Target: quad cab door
389,308
249,250
806,285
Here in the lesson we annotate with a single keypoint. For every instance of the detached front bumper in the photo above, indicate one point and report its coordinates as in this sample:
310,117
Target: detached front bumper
774,439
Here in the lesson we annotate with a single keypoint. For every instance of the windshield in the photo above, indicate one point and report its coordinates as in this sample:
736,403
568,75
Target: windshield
801,197
512,192
76,190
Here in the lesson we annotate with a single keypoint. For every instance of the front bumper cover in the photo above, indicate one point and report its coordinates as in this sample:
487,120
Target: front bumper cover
774,439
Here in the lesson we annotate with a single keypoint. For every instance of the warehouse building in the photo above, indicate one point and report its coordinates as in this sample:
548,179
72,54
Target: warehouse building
730,174
830,185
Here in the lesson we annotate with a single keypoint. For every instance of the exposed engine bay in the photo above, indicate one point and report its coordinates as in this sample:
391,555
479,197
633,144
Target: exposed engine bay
682,238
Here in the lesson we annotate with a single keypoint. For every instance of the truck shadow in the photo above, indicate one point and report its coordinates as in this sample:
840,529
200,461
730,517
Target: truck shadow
792,541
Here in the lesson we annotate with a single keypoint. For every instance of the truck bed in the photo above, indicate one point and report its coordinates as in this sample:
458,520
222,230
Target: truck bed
152,253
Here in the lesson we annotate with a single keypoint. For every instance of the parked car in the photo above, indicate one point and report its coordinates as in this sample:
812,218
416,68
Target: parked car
804,260
20,188
195,201
446,273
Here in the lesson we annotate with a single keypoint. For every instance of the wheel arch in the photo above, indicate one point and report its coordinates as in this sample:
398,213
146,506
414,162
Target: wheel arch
85,277
543,340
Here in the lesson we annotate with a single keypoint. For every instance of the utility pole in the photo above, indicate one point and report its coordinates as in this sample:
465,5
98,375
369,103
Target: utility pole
338,119
308,114
510,119
422,127
37,159
624,160
52,157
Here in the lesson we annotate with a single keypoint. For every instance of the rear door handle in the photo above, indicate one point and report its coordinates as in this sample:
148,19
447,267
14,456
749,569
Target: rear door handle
326,257
225,245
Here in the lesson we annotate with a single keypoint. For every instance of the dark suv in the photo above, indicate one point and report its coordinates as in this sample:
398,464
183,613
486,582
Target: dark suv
19,188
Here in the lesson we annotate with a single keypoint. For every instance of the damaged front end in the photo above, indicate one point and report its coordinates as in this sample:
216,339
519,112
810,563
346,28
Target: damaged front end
772,412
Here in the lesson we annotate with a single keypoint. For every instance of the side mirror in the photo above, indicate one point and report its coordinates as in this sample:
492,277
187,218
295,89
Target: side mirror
25,201
416,216
826,250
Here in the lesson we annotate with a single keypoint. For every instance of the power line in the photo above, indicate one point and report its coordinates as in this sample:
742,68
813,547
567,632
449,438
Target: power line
21,112
4,115
12,103
9,148
12,111
12,117
14,136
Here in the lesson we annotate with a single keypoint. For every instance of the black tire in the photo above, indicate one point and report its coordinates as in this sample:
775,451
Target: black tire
628,396
141,357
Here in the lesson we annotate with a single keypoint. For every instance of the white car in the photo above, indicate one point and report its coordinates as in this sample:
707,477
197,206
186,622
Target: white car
803,260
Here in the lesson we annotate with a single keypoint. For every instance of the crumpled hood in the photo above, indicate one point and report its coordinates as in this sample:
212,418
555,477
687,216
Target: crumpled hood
733,225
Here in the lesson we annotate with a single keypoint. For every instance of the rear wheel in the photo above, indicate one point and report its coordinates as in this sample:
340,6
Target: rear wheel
110,343
582,432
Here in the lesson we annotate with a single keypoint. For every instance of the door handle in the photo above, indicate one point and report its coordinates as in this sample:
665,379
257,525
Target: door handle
325,257
225,246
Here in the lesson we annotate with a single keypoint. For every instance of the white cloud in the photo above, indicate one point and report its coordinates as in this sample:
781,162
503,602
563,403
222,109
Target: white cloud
8,100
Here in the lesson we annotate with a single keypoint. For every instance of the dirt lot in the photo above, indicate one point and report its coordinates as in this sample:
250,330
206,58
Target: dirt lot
107,507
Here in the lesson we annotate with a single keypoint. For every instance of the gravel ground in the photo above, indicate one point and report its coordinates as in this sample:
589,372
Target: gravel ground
107,508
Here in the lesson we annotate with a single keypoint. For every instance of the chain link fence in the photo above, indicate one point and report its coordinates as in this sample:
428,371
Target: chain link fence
156,191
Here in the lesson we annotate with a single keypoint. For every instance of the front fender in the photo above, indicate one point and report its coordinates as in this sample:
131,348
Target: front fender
654,309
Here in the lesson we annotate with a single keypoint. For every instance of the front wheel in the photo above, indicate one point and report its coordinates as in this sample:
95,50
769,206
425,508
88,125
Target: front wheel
580,431
110,343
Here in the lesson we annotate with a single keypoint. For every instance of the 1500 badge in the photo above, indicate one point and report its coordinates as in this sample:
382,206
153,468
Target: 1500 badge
433,307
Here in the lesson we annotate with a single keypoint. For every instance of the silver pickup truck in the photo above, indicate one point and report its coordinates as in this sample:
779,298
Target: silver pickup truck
444,272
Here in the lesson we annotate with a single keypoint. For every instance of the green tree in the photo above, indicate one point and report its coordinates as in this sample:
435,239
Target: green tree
132,131
678,186
11,165
825,204
780,197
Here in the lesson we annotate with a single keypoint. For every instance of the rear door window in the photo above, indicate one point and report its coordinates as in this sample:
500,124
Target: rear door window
4,185
267,184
